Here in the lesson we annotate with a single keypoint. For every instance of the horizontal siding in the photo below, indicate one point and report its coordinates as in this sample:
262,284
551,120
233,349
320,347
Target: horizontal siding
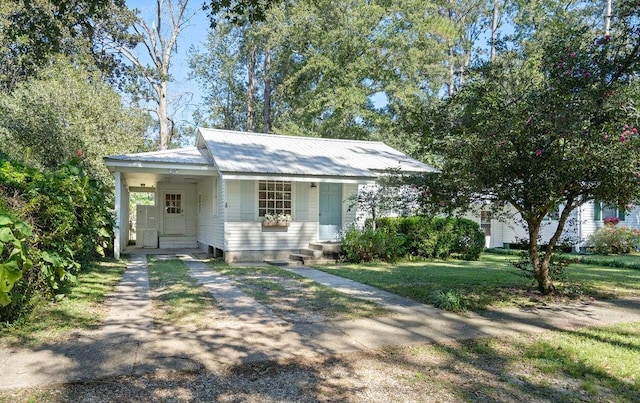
246,236
349,214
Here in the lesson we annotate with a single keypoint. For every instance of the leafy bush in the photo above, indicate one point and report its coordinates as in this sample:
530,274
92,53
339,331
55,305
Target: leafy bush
69,225
449,300
14,259
368,244
613,239
438,237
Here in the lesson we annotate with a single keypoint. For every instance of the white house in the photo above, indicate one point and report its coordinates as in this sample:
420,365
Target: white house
582,222
215,195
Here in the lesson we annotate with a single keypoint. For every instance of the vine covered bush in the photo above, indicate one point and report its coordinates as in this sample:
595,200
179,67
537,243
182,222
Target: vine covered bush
52,223
419,236
613,239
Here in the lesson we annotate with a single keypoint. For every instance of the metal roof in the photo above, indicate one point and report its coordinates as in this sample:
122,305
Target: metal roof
191,155
257,153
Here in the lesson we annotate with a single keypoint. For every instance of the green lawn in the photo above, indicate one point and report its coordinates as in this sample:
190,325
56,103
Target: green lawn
490,281
82,309
177,298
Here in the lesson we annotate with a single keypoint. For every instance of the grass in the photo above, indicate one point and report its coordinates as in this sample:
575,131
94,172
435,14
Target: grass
177,298
601,364
588,364
287,293
490,281
81,310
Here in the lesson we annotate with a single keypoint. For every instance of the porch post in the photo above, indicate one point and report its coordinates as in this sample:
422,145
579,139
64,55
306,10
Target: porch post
117,241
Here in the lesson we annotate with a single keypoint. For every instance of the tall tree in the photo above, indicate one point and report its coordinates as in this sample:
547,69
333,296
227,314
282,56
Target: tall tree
158,41
555,124
34,32
220,69
66,112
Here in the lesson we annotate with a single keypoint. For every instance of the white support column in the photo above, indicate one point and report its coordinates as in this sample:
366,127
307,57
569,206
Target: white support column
117,241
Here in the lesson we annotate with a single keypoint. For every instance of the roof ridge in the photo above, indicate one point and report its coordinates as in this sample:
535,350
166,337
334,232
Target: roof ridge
290,137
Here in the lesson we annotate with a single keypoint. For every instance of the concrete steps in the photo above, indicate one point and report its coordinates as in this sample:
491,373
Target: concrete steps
177,241
317,253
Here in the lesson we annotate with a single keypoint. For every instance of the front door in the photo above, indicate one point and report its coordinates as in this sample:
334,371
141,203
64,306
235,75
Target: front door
330,211
173,211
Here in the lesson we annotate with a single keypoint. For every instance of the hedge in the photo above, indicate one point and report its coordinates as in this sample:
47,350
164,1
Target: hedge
438,237
419,236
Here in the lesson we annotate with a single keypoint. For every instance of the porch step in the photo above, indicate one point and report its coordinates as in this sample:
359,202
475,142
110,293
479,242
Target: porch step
281,262
297,259
178,241
318,253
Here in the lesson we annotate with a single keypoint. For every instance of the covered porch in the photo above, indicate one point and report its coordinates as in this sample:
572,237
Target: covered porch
172,177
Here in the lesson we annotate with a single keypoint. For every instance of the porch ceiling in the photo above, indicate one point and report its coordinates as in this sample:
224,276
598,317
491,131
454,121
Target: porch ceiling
151,179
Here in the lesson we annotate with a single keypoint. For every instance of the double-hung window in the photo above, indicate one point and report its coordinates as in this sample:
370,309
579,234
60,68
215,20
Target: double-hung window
274,197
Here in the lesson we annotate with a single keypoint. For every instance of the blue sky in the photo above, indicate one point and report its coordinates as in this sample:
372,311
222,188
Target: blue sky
194,34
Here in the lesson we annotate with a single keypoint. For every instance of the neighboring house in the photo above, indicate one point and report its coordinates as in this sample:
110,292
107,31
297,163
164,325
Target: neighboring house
582,222
215,196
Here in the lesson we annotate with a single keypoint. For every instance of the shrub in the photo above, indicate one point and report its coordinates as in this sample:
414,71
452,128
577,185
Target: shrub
437,237
613,239
367,245
449,300
14,257
69,222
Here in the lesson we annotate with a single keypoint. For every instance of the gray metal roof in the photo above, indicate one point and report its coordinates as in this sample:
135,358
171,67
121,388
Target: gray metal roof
190,155
256,153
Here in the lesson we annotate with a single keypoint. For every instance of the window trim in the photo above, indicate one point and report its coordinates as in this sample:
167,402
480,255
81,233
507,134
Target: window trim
598,210
287,188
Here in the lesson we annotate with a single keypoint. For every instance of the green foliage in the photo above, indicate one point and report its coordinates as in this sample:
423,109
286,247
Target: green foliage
68,112
437,237
553,123
14,259
613,239
32,32
449,300
69,225
369,244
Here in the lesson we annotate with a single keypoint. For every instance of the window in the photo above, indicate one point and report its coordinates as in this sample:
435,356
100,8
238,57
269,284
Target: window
485,222
173,203
603,211
274,197
199,203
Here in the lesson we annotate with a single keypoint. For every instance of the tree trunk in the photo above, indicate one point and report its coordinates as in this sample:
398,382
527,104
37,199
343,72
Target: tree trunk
163,118
540,266
494,29
267,90
251,90
451,72
542,275
607,18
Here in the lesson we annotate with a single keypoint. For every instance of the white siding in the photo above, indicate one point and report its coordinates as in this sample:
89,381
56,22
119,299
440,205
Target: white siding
243,229
245,236
210,225
349,214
